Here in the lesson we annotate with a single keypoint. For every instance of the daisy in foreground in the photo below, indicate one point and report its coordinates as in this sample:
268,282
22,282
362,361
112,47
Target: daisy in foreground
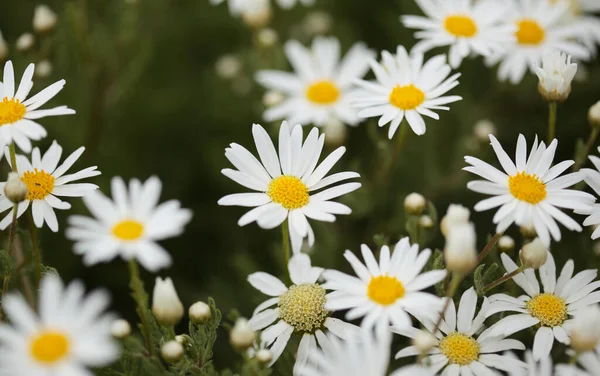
129,225
385,292
17,113
460,350
45,180
552,309
405,87
529,191
286,182
300,308
322,86
70,334
466,26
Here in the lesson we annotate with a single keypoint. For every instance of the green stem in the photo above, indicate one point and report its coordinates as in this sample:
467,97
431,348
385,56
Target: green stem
552,108
502,279
391,162
11,239
141,299
36,249
456,280
171,330
588,148
13,156
488,248
285,238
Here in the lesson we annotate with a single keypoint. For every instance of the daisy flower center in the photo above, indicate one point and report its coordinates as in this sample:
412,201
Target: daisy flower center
407,97
302,307
459,349
385,290
323,92
39,184
530,32
460,25
11,110
288,191
526,187
128,230
49,346
550,309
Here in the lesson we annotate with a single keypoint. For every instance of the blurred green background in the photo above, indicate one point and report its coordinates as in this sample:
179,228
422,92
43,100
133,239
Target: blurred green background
142,79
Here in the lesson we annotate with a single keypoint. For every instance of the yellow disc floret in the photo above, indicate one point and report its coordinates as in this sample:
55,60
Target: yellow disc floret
49,346
289,191
530,32
128,230
407,97
302,307
460,25
526,187
385,290
11,110
550,309
459,349
39,184
323,92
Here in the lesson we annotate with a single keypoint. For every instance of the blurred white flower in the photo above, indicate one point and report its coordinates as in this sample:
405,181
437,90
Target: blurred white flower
44,69
460,252
594,115
166,306
25,42
3,48
317,23
272,98
506,243
585,329
44,19
267,37
455,215
556,74
483,129
238,7
257,14
120,328
228,66
424,342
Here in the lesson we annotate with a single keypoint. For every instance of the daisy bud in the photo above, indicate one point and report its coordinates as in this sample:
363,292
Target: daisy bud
483,129
166,306
414,204
171,351
425,221
44,19
460,253
594,115
242,336
15,189
317,23
424,342
556,75
335,132
264,356
534,254
120,329
585,329
199,313
506,244
228,67
183,339
272,98
456,214
528,231
3,48
267,37
25,42
259,15
43,69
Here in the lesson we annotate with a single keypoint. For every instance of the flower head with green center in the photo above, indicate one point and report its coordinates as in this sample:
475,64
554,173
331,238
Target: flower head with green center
129,225
298,309
529,190
71,332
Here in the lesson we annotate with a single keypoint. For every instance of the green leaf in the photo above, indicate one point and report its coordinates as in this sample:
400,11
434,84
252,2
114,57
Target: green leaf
478,280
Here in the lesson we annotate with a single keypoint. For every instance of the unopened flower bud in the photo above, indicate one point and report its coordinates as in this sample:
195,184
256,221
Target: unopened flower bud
3,48
25,42
335,132
414,204
43,69
44,19
166,306
171,351
483,129
528,231
199,313
460,253
556,75
585,329
264,356
534,254
228,67
242,335
424,342
272,98
317,23
425,221
594,115
506,244
15,189
183,339
267,37
120,329
258,15
456,215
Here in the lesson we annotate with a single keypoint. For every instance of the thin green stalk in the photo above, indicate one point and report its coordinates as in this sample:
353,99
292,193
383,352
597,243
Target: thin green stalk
37,257
456,280
141,299
285,238
13,156
502,279
552,108
393,158
488,248
11,239
588,148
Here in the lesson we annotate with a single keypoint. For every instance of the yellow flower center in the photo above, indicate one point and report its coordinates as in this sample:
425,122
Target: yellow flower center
128,230
459,349
302,307
385,290
289,191
460,25
49,346
11,110
39,184
323,92
527,188
407,97
530,32
550,309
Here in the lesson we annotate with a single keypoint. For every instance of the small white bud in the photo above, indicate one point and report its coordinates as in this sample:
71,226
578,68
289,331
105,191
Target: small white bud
228,66
199,313
166,306
460,253
483,129
25,42
44,19
15,189
594,115
317,23
335,131
506,243
267,37
43,69
242,335
183,339
414,204
120,329
258,15
556,74
272,98
528,231
425,221
424,342
456,215
534,254
585,329
171,351
3,48
264,356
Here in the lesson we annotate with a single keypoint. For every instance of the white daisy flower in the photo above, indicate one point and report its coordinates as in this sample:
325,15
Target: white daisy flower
405,87
592,178
386,291
539,28
551,310
582,14
71,333
286,182
129,225
300,308
461,350
544,367
529,191
589,361
237,7
322,86
18,114
468,27
45,180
